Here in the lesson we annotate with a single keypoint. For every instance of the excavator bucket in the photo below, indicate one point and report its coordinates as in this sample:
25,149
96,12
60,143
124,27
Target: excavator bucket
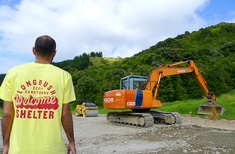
208,109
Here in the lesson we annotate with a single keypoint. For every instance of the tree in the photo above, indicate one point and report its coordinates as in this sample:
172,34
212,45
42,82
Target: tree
81,62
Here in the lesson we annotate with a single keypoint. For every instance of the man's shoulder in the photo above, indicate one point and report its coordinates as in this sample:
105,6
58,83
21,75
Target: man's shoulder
60,70
19,67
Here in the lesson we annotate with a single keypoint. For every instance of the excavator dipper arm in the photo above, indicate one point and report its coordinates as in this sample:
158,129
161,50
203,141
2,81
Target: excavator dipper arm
174,69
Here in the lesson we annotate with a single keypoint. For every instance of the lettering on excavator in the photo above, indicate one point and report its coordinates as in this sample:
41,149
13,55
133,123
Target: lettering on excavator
106,100
130,103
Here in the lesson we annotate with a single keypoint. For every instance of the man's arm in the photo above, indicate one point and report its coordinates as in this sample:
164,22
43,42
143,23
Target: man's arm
67,123
7,120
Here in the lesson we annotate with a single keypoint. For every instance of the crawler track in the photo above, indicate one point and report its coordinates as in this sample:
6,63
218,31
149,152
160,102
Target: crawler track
166,117
145,119
131,118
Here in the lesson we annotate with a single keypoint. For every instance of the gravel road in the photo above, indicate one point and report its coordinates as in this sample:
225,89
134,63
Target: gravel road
95,135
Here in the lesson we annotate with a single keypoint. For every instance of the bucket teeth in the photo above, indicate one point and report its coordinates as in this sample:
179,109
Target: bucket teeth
208,109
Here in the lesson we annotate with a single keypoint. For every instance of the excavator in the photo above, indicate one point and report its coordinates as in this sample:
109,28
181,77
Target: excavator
138,95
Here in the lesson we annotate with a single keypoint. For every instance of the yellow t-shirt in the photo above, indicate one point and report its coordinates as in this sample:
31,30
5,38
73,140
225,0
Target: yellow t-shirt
38,92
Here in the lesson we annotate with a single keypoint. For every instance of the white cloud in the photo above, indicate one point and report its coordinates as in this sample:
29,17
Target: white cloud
232,14
115,27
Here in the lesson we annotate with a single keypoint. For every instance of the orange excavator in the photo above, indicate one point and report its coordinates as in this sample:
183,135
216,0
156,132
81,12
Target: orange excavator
138,94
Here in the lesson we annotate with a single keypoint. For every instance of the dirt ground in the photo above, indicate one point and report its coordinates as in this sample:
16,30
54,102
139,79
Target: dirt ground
195,135
95,135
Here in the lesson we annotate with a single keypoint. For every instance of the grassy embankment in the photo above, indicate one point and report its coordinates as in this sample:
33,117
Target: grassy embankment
190,107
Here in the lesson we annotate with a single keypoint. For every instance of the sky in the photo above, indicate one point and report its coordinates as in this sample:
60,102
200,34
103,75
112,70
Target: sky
117,28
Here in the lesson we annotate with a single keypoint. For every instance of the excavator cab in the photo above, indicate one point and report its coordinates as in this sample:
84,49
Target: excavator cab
133,82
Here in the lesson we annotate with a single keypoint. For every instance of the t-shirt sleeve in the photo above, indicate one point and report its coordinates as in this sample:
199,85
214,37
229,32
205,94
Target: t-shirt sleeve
69,94
6,89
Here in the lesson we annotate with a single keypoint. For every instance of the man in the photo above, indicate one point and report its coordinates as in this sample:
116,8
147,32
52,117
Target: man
36,105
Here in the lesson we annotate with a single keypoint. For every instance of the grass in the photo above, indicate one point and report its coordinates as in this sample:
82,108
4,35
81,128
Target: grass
189,107
98,61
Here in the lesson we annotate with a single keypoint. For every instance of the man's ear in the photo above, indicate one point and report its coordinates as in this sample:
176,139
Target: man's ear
53,54
34,51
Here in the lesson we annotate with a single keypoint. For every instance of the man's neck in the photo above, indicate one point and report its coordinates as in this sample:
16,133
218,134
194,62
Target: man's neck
43,61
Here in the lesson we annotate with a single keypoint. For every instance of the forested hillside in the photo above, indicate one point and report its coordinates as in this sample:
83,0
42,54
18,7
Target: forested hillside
211,48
